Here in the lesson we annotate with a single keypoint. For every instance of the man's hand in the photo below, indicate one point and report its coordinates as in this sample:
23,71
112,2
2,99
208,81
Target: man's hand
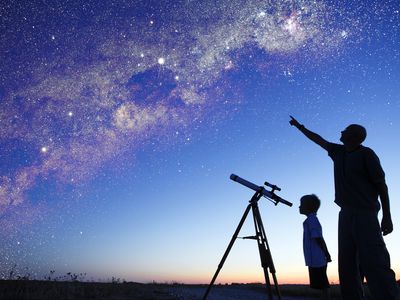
309,134
386,225
294,122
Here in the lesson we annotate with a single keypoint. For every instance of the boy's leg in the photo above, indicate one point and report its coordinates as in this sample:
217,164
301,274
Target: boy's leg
326,295
319,280
375,259
349,274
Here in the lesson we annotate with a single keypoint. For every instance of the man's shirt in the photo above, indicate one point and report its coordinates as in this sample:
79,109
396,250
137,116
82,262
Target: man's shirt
357,174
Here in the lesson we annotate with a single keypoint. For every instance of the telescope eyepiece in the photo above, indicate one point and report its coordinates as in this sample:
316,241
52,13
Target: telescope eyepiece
272,186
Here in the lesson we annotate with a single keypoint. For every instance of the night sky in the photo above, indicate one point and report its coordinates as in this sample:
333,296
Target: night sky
121,121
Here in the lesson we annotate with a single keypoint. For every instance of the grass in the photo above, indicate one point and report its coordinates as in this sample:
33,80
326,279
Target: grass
72,289
75,290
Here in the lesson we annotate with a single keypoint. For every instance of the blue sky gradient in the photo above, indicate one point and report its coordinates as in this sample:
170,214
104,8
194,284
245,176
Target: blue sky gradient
122,122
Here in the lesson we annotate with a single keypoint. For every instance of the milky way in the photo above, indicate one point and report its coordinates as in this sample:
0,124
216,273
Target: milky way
82,84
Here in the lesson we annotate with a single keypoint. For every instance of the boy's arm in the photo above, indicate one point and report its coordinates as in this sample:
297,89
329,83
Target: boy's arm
309,134
322,244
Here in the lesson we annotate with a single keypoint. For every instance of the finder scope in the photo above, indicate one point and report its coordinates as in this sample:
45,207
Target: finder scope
268,194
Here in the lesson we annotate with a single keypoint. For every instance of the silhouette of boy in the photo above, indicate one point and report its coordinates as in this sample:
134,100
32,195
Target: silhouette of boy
316,253
359,181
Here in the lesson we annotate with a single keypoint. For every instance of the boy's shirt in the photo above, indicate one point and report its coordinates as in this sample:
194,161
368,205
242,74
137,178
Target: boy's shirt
313,254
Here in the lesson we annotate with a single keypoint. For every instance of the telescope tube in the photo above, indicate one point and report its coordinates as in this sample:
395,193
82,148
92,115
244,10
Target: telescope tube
257,188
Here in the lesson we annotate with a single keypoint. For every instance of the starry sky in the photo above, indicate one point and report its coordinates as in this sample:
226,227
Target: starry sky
121,122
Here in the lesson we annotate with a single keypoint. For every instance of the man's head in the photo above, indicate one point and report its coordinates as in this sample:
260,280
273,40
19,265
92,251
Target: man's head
353,135
309,204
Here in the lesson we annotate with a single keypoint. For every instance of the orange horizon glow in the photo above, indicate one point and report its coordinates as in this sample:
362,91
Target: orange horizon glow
241,279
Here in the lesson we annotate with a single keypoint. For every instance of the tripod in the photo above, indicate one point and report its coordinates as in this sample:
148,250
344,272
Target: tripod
263,248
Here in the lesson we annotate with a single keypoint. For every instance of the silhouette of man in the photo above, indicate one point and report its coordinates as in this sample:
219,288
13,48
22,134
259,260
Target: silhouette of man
359,181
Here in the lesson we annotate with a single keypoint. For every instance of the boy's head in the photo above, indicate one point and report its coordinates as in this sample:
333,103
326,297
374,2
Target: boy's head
309,204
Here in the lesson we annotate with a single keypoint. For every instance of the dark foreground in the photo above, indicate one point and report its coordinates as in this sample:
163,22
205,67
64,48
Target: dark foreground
63,290
75,290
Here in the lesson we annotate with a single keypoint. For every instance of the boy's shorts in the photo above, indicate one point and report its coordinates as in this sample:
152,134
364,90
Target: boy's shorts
318,278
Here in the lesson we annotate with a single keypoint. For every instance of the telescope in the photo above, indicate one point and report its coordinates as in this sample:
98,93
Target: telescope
260,236
270,195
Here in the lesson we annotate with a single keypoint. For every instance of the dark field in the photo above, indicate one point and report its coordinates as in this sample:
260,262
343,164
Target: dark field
76,290
66,290
58,290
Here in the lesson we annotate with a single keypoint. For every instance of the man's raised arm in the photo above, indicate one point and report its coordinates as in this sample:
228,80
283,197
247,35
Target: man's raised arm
308,133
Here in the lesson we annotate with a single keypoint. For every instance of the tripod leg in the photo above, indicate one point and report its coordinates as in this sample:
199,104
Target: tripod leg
234,237
265,253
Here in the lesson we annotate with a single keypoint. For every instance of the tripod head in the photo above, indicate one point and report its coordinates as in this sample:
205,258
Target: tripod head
270,195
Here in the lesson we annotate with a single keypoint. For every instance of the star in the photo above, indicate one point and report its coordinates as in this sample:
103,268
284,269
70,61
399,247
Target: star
161,60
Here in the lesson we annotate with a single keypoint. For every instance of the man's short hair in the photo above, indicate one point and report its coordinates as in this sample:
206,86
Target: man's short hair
312,201
359,131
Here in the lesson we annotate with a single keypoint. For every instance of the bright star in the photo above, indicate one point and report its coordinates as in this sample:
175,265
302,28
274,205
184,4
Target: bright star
161,60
